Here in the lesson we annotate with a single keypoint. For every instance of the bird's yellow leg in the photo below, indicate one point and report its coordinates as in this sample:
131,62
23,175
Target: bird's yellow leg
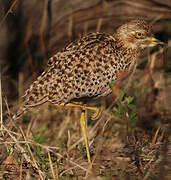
82,123
84,133
84,106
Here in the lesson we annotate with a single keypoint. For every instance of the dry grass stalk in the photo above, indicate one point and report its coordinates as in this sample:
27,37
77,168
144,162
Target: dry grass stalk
34,163
1,119
21,169
26,44
99,24
11,122
70,26
64,124
51,166
20,84
10,10
22,150
155,136
43,26
85,28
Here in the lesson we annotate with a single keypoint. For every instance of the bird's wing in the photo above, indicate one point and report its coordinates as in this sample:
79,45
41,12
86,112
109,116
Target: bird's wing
62,70
77,45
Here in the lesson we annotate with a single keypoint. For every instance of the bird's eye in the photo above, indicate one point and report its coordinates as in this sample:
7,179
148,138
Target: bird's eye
139,35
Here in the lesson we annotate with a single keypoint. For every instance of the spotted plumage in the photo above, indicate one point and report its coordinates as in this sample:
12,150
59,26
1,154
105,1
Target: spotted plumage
85,67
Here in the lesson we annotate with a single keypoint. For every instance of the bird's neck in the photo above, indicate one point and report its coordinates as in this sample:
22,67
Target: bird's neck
129,54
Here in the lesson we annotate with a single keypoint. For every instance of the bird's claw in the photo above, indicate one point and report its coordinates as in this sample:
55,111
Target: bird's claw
96,114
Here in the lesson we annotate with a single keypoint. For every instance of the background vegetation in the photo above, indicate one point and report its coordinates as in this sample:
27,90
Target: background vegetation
131,138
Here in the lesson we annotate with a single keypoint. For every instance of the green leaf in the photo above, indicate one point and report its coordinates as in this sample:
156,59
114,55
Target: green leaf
129,99
111,84
121,95
125,105
40,136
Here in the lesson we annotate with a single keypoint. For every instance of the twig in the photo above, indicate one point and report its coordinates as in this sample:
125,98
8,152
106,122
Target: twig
57,171
8,12
1,100
99,24
51,166
155,136
9,113
43,26
156,19
64,172
70,26
72,162
19,147
150,170
32,156
85,28
21,169
47,148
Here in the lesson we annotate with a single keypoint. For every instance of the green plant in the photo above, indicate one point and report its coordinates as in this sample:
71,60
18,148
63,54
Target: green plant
125,108
111,84
41,137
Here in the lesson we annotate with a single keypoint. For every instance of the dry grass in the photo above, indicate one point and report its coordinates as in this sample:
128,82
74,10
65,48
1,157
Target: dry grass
46,142
112,157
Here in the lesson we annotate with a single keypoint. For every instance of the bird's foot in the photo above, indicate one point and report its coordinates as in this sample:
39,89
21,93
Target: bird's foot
97,111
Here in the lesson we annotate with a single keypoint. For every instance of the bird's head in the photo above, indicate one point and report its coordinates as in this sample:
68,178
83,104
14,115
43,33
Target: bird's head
137,34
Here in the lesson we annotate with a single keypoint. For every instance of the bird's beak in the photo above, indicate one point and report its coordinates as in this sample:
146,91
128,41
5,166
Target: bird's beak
151,42
155,41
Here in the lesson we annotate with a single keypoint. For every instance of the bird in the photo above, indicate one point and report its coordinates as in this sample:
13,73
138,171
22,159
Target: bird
85,68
